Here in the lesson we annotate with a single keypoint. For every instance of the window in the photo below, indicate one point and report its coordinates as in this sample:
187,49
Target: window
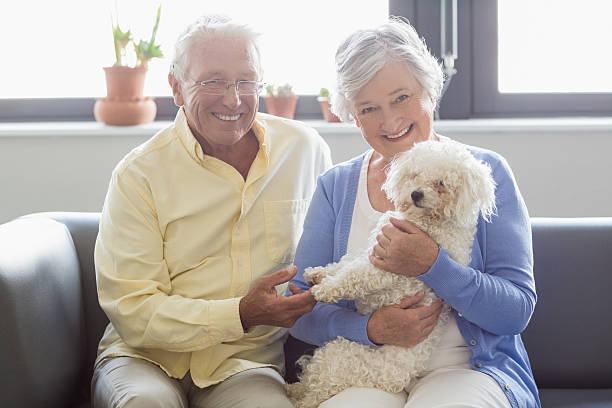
544,58
516,58
554,46
62,45
540,58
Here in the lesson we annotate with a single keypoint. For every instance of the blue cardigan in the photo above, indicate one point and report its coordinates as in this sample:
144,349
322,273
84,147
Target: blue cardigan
493,297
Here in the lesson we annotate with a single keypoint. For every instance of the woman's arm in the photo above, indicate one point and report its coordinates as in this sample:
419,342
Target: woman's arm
316,248
497,291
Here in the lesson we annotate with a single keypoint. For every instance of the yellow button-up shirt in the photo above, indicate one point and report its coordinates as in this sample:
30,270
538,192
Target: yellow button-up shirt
183,237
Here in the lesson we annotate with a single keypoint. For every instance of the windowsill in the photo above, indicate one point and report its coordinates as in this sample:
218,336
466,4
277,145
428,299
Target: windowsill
511,125
501,125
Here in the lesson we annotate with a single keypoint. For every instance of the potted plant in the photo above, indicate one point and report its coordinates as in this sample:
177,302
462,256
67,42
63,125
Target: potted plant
125,104
323,99
280,100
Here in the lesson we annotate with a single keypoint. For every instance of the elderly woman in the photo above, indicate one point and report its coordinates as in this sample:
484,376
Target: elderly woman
390,84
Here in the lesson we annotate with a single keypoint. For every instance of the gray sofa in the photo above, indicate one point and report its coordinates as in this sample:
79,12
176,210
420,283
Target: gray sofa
51,321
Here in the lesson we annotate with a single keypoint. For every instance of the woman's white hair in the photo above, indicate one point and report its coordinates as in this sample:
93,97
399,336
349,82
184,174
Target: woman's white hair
205,28
366,51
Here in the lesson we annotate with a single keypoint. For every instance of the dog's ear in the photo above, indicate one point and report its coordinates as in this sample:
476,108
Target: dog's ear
477,192
396,176
482,188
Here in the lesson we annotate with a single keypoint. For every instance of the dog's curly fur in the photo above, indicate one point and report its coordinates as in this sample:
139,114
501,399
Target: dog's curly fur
442,189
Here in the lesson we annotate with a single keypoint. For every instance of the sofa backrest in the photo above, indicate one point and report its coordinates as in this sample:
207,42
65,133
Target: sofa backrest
570,333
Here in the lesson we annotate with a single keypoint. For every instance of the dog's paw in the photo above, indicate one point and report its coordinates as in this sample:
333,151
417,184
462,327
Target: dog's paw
314,276
323,293
295,391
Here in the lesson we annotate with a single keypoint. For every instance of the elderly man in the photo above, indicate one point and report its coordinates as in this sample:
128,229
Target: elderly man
197,226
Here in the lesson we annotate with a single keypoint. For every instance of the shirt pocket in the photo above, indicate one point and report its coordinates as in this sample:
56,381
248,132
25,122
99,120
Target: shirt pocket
284,224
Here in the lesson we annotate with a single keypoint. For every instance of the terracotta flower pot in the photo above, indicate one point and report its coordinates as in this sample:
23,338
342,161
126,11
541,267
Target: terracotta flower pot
125,113
283,106
125,104
124,83
326,110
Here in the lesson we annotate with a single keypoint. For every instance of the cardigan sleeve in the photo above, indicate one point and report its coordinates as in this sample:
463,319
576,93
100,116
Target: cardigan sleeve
316,248
496,291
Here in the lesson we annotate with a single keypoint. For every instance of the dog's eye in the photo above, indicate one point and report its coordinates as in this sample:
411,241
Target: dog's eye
440,183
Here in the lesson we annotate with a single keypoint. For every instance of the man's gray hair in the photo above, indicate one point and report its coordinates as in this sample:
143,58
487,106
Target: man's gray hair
205,28
366,51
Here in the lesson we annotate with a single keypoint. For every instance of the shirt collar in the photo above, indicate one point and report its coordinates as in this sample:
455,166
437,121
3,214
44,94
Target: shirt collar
261,133
194,149
184,134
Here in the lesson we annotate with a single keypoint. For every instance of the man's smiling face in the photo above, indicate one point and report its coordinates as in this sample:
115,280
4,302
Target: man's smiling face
219,120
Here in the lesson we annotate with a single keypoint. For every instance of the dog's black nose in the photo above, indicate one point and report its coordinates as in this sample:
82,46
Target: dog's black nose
416,196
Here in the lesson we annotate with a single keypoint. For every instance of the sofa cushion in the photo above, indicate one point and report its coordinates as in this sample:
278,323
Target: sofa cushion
576,398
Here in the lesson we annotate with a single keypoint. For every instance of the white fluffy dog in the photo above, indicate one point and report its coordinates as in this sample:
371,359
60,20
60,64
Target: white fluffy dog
442,189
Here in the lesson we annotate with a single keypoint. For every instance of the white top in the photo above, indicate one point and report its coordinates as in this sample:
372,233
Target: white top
451,349
365,217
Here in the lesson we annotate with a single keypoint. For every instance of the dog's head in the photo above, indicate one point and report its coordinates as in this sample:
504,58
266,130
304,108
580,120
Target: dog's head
443,180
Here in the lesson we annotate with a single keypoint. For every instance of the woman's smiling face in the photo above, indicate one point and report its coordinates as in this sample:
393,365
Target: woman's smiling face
393,111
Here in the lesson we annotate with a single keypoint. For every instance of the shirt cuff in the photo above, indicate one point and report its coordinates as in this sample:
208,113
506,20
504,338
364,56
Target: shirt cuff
225,316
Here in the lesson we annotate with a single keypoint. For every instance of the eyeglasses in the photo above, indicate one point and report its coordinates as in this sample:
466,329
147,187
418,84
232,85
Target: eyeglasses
220,86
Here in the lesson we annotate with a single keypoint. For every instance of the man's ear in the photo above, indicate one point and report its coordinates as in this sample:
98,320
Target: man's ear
357,123
176,90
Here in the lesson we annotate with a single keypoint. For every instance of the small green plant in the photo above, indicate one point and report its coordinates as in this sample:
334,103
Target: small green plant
282,90
270,90
121,40
145,50
324,93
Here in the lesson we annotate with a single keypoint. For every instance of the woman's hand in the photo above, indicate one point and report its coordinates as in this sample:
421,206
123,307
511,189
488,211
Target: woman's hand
404,249
401,326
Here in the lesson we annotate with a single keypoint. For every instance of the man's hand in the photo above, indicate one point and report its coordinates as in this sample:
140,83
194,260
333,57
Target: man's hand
401,326
404,249
262,305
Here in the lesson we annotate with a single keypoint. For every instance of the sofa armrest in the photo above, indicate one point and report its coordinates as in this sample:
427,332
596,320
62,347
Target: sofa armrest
42,326
83,228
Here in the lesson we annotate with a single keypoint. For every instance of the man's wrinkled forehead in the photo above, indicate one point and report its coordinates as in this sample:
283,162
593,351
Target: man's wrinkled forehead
224,55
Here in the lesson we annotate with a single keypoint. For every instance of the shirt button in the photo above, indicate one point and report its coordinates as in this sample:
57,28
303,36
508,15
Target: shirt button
478,365
507,387
473,342
459,314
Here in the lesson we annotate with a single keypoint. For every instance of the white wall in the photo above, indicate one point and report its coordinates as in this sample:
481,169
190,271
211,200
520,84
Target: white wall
562,172
559,174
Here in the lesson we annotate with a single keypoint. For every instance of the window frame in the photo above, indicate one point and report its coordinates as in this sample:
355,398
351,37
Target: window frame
473,90
489,102
472,93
